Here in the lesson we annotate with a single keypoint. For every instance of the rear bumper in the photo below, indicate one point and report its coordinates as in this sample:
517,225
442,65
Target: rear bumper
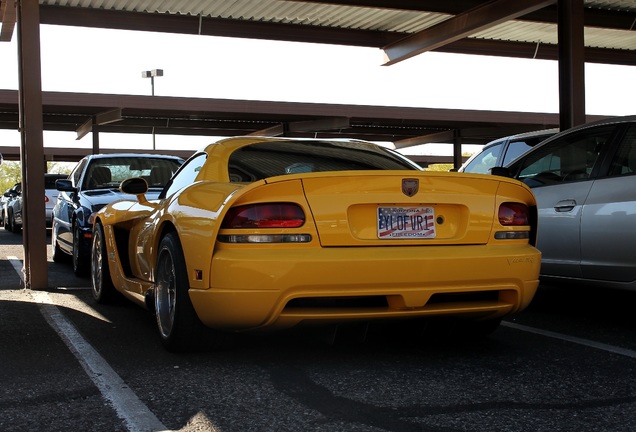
251,288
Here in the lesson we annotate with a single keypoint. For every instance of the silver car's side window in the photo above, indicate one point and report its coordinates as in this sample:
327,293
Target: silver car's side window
186,175
570,158
624,162
484,161
518,147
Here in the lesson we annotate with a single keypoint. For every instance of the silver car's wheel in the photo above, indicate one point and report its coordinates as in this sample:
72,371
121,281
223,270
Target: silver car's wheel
179,326
101,283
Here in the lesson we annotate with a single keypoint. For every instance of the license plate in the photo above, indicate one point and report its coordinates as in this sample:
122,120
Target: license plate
406,222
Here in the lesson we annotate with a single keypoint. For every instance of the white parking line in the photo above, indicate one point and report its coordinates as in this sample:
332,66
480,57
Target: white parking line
586,342
127,405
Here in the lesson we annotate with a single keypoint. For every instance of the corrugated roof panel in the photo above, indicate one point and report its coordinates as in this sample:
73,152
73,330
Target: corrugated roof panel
362,18
521,32
624,5
607,38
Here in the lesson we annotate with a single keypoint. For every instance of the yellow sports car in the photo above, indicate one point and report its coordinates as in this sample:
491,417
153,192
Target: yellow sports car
268,233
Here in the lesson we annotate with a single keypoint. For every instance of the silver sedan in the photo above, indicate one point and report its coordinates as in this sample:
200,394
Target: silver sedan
584,180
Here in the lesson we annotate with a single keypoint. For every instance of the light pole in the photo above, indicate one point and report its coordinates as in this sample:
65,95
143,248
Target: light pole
152,74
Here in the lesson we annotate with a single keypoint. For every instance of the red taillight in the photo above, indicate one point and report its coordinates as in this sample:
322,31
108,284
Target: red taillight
46,199
513,214
271,215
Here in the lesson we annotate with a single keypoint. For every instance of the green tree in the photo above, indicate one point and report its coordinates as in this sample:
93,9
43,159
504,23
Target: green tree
11,173
59,167
439,167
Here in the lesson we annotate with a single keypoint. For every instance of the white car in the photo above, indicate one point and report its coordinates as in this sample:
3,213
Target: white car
13,212
50,194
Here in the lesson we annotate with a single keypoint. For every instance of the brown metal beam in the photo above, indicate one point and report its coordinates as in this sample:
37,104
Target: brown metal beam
277,130
571,64
439,137
459,27
8,17
319,124
91,125
74,154
225,117
32,154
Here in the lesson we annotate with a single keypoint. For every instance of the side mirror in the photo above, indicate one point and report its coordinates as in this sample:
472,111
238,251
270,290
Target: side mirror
64,185
501,171
135,186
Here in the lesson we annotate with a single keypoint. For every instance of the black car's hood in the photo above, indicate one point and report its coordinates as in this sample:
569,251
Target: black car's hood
101,197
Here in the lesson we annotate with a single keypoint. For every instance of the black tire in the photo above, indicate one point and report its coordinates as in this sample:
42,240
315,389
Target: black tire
7,222
179,326
80,262
15,228
101,283
58,255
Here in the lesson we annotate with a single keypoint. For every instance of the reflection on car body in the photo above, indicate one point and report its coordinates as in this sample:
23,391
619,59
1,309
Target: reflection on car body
261,233
93,183
584,180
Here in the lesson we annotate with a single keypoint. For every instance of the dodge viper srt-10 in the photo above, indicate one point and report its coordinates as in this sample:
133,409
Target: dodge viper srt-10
256,233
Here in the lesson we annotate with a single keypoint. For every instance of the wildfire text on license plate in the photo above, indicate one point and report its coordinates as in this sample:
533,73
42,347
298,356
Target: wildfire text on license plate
406,222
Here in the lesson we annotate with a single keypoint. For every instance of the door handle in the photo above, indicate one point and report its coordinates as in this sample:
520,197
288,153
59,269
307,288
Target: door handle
565,206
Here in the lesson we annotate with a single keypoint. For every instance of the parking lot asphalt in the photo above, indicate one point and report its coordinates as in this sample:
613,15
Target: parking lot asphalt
60,275
566,363
39,374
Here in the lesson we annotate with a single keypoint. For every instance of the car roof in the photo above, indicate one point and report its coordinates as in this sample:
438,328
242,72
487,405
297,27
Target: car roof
534,134
523,135
131,155
607,121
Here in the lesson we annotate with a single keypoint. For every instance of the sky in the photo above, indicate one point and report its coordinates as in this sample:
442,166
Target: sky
76,59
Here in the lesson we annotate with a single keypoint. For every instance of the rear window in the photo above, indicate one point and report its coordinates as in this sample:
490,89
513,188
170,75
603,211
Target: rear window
262,160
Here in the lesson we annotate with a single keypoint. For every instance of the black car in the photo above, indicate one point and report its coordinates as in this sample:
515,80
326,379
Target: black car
91,185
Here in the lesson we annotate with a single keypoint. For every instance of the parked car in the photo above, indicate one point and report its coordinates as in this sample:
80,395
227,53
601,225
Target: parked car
7,212
3,200
9,209
50,195
584,180
502,151
15,205
93,183
266,233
